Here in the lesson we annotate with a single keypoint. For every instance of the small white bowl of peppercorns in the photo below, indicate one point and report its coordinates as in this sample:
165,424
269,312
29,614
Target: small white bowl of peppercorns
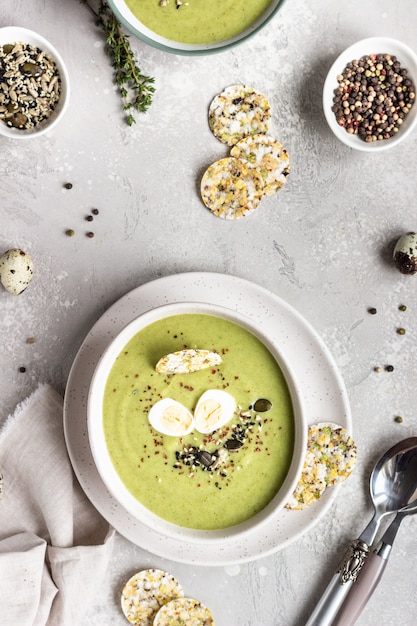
369,95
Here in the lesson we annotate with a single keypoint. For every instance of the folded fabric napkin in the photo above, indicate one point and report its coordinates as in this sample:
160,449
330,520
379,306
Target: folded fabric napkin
54,545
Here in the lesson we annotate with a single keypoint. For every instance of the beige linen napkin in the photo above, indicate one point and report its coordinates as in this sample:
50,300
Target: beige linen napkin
54,545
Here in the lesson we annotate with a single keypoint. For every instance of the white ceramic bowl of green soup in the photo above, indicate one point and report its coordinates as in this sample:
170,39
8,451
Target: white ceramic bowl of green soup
199,486
193,26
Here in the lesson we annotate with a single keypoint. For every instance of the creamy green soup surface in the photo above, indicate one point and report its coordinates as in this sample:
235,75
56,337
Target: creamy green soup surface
198,21
168,474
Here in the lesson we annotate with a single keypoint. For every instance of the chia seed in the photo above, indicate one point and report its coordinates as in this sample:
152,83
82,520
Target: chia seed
373,98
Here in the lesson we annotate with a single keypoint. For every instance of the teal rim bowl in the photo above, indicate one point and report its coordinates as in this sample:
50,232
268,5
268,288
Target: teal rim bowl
128,19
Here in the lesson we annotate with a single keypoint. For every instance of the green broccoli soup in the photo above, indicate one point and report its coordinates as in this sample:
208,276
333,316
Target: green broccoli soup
200,480
197,21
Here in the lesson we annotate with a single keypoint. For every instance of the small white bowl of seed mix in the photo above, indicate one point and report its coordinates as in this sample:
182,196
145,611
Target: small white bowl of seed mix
369,95
34,84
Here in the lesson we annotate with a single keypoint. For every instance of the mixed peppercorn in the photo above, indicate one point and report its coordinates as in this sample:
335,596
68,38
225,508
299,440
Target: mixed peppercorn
374,95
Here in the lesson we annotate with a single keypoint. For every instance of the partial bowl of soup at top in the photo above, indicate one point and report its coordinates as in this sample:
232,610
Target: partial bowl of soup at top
194,27
194,422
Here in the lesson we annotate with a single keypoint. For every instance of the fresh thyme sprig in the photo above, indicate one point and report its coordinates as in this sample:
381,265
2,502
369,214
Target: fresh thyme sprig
135,88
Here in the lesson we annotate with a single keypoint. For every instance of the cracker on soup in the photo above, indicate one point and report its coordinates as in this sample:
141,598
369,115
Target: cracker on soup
185,361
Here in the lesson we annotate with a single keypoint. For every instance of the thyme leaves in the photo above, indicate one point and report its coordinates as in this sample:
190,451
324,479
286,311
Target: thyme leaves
136,89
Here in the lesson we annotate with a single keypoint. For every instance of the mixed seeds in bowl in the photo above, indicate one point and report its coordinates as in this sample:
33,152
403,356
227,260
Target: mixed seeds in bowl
30,85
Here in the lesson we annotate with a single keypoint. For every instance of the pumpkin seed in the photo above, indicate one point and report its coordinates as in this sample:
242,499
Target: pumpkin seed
31,69
18,120
205,458
261,405
233,444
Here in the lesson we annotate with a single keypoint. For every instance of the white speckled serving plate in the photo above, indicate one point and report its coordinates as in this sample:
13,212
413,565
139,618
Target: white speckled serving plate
319,386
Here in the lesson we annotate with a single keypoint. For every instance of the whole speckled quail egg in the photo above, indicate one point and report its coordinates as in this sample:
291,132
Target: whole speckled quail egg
405,253
16,270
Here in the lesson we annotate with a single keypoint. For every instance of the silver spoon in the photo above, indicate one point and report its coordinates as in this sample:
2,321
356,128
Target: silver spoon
370,574
393,487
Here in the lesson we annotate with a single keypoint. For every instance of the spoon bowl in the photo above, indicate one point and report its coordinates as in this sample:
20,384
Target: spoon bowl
393,484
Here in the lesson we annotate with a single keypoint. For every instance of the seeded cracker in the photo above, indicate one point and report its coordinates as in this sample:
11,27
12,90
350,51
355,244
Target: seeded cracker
186,361
184,612
335,448
238,112
145,593
330,458
231,188
270,158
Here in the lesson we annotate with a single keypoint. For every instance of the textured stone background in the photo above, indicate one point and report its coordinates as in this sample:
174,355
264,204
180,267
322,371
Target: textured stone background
323,244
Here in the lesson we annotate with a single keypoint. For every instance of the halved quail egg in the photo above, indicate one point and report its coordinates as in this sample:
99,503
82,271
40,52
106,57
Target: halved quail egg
170,417
214,409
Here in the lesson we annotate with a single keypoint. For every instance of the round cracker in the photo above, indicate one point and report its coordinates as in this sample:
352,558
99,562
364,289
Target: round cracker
335,448
270,158
231,188
186,361
145,593
238,112
184,612
330,458
311,484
